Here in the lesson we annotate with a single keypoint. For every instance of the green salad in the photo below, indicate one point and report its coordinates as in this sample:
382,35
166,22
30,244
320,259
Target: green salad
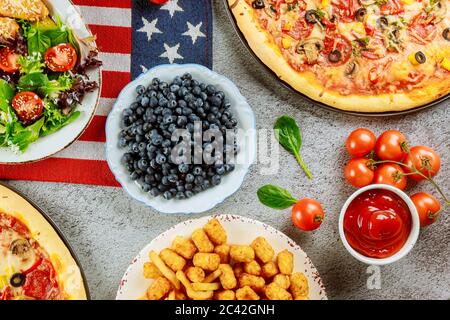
42,80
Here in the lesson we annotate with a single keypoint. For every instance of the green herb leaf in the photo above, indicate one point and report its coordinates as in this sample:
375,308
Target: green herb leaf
31,63
288,135
40,83
55,119
275,197
22,137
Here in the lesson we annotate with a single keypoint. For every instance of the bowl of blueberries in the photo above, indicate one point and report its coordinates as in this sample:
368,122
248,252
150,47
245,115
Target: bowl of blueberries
180,138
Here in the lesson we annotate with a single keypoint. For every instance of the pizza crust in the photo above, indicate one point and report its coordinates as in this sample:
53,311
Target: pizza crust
260,41
67,270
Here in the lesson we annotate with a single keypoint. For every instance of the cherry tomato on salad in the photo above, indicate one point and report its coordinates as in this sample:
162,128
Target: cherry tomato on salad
360,142
357,173
389,146
427,206
307,214
61,58
391,174
159,2
8,60
424,159
28,106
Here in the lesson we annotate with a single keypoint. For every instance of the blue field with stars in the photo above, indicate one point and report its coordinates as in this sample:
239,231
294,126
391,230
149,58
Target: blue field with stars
178,32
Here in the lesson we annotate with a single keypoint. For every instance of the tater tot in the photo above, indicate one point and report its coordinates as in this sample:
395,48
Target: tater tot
215,232
238,269
158,289
252,267
246,293
282,280
274,292
195,274
172,259
224,252
151,271
269,270
227,278
299,286
263,249
202,241
254,282
242,253
207,261
184,247
285,261
225,295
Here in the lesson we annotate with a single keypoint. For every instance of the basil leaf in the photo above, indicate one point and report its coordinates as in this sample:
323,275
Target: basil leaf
288,135
38,41
275,197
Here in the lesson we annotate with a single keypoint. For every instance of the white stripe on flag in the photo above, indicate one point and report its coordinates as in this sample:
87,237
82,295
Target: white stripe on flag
106,16
115,61
104,106
84,150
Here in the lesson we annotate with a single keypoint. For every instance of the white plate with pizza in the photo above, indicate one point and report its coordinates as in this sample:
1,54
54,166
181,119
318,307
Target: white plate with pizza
36,262
361,56
235,230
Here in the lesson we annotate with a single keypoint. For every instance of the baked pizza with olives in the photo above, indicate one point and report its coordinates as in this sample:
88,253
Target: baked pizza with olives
355,55
34,262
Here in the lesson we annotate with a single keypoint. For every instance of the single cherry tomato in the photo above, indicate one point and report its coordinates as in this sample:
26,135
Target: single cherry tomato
8,60
61,58
424,159
28,106
357,173
391,174
427,206
307,214
360,142
389,146
159,2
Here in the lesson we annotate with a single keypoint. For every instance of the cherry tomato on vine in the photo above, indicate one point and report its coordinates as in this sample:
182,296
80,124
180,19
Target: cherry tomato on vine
360,142
389,146
424,159
427,206
357,173
307,214
61,58
391,174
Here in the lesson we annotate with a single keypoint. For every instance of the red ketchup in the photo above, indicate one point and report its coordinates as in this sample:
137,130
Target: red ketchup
377,223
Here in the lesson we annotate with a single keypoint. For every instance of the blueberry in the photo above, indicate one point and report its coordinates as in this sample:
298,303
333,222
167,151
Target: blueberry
145,101
197,189
134,175
177,80
163,85
180,196
189,178
216,101
187,111
211,117
220,170
149,178
183,168
140,89
174,87
123,142
172,103
196,90
142,146
181,121
210,89
146,187
163,102
197,171
154,192
199,180
189,194
167,195
182,104
172,127
127,157
160,159
157,140
165,181
173,178
180,188
229,167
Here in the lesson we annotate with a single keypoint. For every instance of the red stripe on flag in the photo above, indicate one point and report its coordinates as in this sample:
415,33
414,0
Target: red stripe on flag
95,131
104,3
62,170
113,82
112,39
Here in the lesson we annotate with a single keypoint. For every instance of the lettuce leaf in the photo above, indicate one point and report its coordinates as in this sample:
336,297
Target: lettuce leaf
31,64
55,119
41,84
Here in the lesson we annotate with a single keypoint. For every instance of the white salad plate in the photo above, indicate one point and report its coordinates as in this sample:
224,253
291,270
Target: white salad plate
240,230
47,146
246,139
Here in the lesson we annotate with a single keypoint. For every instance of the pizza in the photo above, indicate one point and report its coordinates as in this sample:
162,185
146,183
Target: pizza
355,55
34,262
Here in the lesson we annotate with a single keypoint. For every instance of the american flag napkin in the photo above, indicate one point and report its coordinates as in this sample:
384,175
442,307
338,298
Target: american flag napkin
132,37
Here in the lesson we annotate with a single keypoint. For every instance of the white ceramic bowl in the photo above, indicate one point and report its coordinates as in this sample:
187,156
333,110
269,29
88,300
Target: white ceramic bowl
47,146
410,242
240,230
231,182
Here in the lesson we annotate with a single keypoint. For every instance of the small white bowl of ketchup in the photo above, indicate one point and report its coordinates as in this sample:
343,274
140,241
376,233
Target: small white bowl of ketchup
379,224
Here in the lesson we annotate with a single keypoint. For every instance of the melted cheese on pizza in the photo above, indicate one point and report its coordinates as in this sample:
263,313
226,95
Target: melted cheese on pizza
362,46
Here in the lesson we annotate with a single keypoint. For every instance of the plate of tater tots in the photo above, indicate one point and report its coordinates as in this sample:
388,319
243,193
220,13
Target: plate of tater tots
222,257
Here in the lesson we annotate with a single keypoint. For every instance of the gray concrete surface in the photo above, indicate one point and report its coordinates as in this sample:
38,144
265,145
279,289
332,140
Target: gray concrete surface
106,228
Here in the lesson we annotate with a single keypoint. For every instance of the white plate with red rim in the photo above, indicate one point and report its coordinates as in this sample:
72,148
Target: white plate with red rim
47,146
240,230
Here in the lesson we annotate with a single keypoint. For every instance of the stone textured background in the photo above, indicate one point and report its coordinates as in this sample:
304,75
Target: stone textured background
106,228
